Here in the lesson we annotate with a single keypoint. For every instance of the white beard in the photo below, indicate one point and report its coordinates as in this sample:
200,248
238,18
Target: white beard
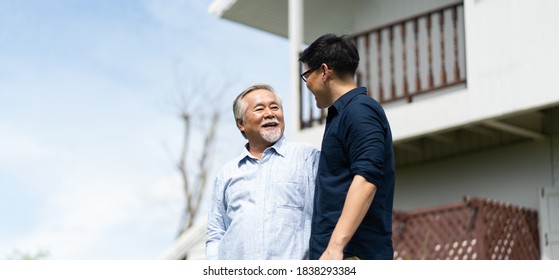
272,135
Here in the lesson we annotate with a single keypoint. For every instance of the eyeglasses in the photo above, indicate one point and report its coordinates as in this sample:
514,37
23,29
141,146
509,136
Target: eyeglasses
307,73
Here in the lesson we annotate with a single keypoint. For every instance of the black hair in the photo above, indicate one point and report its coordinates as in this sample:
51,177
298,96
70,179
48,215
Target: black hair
338,52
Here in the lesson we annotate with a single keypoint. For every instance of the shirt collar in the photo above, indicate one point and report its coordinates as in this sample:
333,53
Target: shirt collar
279,147
341,103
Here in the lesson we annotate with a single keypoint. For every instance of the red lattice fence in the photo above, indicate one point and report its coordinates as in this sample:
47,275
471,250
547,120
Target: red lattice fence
472,229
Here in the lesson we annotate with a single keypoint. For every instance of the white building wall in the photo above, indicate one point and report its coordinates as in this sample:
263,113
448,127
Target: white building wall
370,14
512,58
512,174
512,67
511,63
311,135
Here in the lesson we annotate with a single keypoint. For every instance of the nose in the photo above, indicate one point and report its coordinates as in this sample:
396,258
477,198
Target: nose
268,113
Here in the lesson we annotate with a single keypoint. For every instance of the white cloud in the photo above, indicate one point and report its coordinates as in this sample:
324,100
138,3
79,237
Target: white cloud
18,147
86,211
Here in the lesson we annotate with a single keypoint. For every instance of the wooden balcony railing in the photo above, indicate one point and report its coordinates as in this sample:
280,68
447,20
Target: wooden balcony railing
412,56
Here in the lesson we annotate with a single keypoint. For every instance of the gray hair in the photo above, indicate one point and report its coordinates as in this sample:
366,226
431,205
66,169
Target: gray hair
240,106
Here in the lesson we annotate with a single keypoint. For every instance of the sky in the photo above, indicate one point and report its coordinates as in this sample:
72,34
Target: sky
89,118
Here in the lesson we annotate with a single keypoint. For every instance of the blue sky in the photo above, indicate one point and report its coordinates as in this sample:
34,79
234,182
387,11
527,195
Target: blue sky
88,117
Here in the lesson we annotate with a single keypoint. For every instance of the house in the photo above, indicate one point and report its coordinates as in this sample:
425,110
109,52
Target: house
471,89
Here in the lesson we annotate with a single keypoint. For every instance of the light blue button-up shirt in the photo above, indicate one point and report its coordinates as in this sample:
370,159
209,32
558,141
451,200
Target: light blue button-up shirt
262,208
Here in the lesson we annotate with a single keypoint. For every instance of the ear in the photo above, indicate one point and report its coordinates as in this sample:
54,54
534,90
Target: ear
326,72
240,125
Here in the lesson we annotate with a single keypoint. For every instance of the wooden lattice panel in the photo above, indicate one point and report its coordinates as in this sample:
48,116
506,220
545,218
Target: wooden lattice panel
472,229
510,232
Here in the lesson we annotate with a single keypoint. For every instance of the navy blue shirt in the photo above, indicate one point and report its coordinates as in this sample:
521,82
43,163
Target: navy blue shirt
357,141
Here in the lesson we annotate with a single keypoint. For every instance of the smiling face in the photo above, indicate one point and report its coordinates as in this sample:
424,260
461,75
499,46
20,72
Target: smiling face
262,123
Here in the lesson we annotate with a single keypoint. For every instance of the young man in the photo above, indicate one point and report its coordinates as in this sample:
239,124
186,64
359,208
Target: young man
352,216
262,201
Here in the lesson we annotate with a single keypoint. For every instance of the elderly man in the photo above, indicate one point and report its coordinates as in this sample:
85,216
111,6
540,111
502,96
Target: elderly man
261,205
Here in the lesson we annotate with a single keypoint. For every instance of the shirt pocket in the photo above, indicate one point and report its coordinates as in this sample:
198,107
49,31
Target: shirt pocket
289,195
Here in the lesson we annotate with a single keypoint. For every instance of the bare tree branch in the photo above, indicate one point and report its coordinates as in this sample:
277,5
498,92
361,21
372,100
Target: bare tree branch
200,110
183,168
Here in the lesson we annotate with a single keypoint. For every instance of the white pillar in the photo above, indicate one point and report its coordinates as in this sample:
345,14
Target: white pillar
295,23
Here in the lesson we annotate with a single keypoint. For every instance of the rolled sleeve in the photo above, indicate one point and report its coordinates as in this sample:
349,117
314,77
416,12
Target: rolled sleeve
366,142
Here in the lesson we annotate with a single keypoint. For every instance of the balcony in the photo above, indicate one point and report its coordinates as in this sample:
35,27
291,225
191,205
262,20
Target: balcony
419,55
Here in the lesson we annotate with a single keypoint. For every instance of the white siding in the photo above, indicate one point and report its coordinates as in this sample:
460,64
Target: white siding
511,174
